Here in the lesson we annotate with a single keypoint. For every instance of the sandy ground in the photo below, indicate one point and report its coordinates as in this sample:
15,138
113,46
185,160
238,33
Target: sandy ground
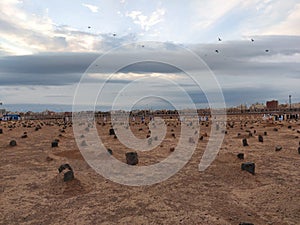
33,192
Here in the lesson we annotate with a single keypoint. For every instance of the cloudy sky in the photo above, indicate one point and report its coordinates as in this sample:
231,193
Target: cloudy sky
47,47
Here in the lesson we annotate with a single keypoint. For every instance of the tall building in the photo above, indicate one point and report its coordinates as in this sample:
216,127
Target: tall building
2,110
272,104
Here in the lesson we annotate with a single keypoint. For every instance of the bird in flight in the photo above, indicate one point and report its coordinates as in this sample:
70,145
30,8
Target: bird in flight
219,39
217,51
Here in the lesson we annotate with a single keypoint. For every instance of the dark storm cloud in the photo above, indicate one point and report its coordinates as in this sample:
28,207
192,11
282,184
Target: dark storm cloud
247,57
152,67
238,58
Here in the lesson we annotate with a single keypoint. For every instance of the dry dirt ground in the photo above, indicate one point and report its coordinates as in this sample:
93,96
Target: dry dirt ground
33,192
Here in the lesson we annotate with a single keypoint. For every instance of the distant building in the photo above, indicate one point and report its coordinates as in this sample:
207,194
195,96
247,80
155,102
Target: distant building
2,110
257,106
272,104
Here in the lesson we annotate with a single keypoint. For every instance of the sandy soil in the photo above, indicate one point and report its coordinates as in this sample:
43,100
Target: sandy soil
33,192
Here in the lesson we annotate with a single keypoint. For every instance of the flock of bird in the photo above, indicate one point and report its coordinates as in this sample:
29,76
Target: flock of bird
217,51
252,40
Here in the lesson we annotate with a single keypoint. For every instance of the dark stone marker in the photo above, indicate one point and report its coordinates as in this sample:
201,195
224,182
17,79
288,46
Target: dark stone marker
278,148
265,133
109,151
173,135
201,138
111,131
299,150
24,136
191,140
240,155
249,166
68,176
48,159
172,149
83,143
1,131
289,127
12,143
260,138
132,158
275,129
245,143
54,144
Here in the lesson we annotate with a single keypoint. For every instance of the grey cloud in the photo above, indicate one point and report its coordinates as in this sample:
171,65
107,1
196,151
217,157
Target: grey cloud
234,58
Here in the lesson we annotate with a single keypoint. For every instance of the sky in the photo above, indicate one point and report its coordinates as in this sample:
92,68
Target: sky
48,48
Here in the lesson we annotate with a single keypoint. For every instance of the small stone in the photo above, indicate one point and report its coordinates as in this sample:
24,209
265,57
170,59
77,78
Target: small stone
260,138
1,131
265,133
83,143
111,131
191,140
131,158
149,140
278,148
48,159
24,136
12,143
275,129
240,155
54,144
109,151
172,149
249,167
245,143
68,176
